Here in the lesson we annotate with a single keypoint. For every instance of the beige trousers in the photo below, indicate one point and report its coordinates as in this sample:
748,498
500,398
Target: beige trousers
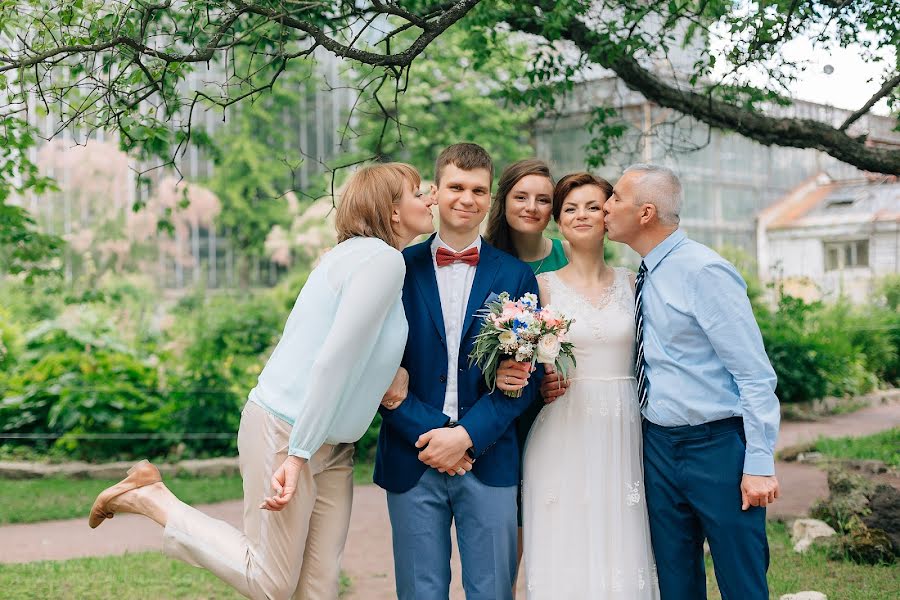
291,554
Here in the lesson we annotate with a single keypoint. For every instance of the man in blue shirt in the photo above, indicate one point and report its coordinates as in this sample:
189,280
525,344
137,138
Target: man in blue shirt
707,393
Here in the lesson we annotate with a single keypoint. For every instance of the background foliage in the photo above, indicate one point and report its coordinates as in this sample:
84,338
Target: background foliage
88,375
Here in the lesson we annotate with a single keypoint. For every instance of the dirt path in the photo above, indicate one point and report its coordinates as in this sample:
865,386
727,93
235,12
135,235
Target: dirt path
368,557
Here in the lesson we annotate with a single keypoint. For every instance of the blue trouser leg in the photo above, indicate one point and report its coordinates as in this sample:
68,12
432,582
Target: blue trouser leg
486,531
675,529
420,526
737,538
693,477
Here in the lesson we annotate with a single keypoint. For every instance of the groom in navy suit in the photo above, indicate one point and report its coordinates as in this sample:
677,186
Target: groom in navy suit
449,423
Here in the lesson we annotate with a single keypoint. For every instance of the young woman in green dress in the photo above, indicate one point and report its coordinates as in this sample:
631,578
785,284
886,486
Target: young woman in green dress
518,217
521,212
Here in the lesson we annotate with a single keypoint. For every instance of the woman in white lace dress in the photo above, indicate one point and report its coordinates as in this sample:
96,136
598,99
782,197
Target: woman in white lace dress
585,520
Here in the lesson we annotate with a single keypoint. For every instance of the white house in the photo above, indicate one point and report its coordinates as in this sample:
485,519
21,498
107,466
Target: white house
828,238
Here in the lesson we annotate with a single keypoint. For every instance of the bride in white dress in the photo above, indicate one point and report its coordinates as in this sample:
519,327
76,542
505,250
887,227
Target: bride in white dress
585,519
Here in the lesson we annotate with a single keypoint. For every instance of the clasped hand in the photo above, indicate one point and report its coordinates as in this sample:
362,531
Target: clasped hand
445,448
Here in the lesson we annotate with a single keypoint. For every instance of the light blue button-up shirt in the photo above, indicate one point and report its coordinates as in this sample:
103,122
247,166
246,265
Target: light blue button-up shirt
340,349
704,354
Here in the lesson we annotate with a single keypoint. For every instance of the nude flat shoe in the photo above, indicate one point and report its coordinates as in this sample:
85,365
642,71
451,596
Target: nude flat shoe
141,474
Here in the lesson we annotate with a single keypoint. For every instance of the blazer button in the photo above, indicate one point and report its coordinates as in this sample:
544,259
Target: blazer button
442,378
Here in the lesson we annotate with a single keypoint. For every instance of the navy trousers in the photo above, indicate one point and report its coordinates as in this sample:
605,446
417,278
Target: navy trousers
693,477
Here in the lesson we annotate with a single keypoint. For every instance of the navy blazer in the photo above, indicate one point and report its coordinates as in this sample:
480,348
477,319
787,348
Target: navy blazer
487,416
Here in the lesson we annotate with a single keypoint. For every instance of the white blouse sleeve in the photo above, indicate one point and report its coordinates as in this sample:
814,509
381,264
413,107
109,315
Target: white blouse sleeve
368,292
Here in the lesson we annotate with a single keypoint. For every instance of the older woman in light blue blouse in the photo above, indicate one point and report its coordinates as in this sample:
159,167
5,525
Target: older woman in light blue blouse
338,355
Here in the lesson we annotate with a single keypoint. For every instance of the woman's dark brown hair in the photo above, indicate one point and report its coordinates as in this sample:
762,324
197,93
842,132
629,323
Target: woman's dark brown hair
576,180
498,232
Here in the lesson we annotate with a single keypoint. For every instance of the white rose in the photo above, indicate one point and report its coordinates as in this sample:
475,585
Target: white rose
524,353
548,349
507,338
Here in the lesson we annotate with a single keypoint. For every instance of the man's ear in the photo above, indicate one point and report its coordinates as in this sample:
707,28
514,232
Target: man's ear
648,214
434,191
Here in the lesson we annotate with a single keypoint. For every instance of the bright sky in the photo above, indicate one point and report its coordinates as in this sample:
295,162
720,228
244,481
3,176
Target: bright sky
848,86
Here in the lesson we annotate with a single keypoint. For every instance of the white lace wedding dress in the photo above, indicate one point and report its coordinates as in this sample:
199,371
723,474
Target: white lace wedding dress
585,519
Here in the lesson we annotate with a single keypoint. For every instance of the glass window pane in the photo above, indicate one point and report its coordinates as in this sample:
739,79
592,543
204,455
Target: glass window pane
699,200
739,204
831,258
862,253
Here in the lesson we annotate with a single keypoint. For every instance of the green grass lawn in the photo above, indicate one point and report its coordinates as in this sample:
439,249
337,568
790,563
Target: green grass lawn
839,580
884,446
152,575
141,575
34,500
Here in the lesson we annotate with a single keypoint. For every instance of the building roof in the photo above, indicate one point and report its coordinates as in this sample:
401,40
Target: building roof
822,201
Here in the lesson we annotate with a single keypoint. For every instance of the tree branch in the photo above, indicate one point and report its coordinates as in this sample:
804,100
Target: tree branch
430,31
792,132
889,85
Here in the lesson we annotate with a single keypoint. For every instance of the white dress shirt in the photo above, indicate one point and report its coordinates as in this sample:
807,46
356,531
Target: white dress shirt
454,286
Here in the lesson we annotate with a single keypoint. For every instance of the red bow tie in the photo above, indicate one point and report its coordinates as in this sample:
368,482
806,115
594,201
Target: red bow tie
446,257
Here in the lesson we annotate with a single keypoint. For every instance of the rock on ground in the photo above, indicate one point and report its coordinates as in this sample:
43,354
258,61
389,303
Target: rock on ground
804,531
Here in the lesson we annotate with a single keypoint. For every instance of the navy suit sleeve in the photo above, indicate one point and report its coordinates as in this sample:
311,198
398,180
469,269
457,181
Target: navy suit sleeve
493,413
413,418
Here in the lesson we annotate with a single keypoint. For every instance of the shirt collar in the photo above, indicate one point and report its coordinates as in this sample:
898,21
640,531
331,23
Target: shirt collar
655,256
437,242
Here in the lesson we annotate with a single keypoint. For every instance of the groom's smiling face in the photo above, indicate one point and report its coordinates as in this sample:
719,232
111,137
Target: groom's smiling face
463,198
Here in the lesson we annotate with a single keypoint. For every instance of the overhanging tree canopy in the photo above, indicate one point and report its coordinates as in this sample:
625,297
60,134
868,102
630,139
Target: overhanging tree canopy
119,65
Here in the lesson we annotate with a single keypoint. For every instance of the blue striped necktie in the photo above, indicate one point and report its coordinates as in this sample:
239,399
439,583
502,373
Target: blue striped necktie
639,366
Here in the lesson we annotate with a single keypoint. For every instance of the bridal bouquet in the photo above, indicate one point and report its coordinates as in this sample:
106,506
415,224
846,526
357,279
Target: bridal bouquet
519,329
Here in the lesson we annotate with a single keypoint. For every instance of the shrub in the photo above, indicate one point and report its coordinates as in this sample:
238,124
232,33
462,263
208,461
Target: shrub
29,304
796,356
836,350
861,335
98,392
227,342
365,447
10,342
889,291
865,517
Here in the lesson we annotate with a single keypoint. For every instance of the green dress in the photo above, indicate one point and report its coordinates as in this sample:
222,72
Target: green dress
552,262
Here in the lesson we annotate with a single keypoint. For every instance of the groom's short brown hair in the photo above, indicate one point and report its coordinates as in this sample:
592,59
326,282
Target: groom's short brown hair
465,156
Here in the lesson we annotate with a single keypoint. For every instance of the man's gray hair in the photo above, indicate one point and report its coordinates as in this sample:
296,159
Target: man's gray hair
660,187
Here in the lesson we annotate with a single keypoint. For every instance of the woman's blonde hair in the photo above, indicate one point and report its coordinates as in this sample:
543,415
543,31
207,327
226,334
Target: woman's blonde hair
368,200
